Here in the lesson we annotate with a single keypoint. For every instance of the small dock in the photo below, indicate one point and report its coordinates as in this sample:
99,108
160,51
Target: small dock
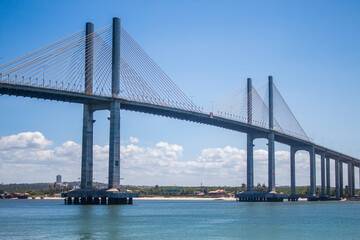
98,197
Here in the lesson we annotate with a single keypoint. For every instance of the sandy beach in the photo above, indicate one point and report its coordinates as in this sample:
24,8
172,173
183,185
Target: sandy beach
184,199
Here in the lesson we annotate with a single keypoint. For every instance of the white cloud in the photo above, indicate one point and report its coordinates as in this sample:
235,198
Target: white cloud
134,140
25,140
30,157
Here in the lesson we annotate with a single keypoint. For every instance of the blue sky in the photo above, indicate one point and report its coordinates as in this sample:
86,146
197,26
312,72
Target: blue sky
208,48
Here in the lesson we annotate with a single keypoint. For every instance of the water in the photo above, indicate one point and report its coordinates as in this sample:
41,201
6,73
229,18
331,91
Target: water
51,219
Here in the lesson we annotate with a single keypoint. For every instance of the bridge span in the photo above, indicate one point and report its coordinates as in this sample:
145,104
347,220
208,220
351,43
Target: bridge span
121,81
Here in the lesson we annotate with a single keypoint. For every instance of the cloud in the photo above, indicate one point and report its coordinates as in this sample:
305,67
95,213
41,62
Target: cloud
30,157
25,140
134,140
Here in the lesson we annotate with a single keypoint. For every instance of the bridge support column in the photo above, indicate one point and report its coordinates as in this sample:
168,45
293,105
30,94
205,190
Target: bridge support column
323,191
292,170
328,176
114,144
271,156
351,182
87,137
87,149
337,178
250,141
271,139
312,171
250,163
341,180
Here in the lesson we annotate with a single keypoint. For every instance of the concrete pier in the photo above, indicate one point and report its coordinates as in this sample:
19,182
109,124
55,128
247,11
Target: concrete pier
250,142
271,139
312,171
323,186
96,197
341,179
337,178
351,179
250,163
260,197
328,193
114,143
292,170
87,135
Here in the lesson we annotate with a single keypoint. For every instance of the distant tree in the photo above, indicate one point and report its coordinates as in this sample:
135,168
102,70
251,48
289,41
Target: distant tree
243,186
307,190
333,192
206,190
347,191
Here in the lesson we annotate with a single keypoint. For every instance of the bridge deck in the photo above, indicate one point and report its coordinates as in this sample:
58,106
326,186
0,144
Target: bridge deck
103,102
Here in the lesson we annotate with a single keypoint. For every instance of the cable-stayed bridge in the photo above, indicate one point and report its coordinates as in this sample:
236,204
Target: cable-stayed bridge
107,69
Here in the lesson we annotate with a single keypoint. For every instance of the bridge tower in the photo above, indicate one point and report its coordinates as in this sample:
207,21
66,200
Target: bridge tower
87,135
250,141
271,139
86,194
114,142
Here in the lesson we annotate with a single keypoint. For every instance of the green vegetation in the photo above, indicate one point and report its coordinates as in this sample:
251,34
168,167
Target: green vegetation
41,189
34,189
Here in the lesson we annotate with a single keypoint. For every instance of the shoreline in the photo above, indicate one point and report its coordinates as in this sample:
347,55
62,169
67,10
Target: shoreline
167,199
160,198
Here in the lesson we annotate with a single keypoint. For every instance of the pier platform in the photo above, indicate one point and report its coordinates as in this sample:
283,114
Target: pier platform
260,197
96,197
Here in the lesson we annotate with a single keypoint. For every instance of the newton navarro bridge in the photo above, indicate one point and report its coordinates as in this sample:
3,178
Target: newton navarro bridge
107,69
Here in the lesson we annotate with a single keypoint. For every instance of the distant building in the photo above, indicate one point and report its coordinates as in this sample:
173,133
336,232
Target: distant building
199,193
58,179
219,192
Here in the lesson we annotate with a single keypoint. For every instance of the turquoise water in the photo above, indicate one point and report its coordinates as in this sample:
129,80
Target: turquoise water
51,219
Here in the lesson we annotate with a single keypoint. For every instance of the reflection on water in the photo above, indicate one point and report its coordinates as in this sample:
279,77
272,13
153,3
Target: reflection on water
101,221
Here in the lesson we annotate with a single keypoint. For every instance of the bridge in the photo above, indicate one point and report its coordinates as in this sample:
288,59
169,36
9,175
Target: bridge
107,70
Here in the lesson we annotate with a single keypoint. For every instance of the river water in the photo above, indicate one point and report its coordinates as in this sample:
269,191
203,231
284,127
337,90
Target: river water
51,219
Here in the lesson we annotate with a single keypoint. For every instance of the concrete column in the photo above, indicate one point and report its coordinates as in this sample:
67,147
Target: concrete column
341,180
87,149
87,136
114,144
323,193
249,100
292,170
337,178
89,55
312,171
116,57
351,181
328,176
250,163
271,103
271,139
271,156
